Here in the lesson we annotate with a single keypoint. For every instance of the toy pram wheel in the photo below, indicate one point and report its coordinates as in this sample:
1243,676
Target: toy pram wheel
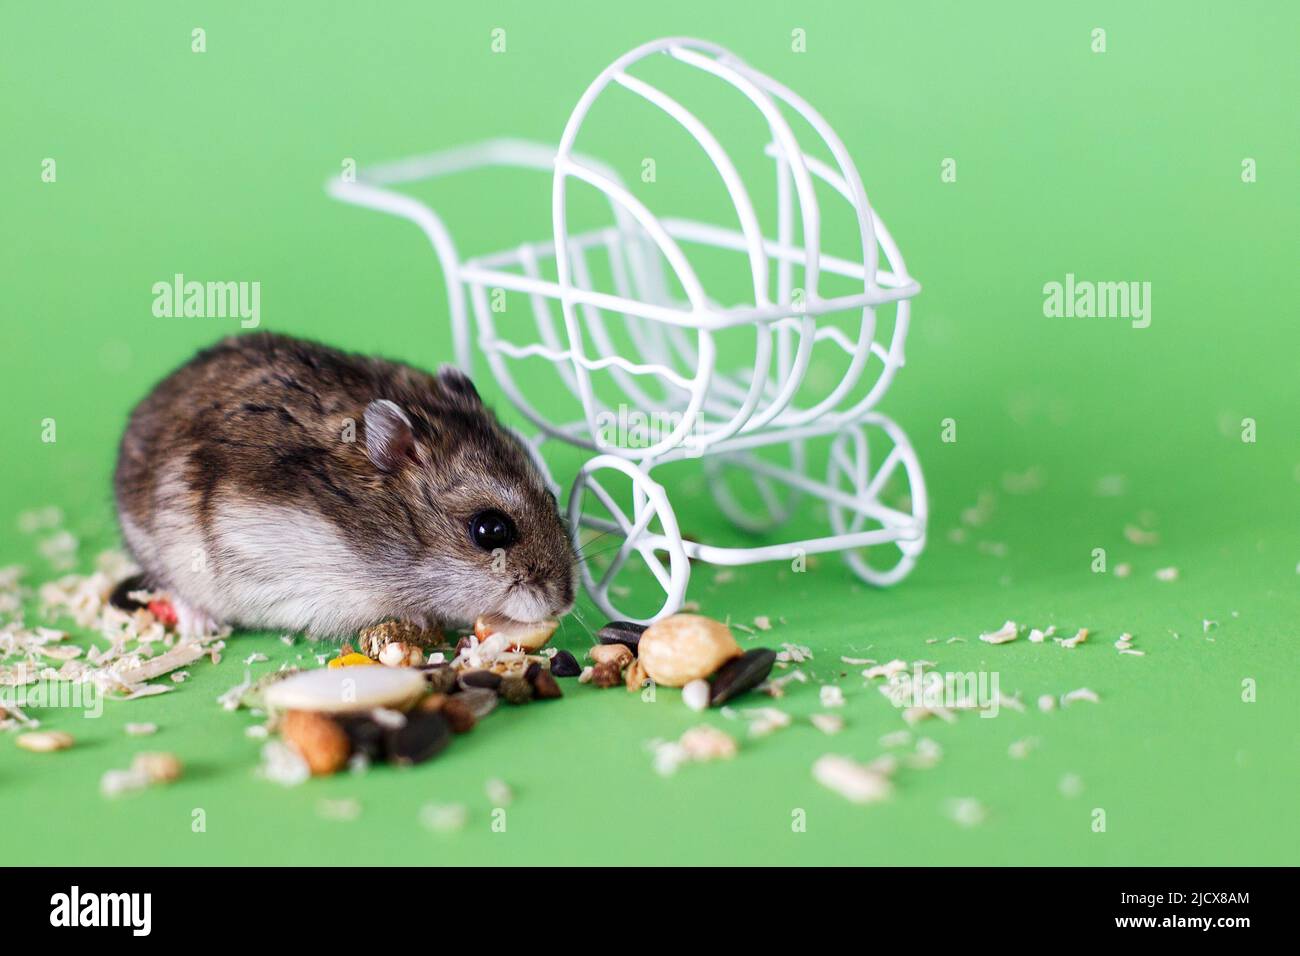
752,500
873,463
625,526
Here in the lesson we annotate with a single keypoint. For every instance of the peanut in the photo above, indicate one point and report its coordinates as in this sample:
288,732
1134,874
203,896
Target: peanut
318,738
685,647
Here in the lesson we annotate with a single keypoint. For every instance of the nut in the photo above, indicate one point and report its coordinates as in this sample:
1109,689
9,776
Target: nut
400,654
458,715
617,654
636,675
606,674
685,647
526,637
441,678
158,767
516,690
318,738
372,639
433,704
44,741
543,681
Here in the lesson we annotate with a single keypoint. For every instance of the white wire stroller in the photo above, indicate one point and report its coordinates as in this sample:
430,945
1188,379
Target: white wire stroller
624,319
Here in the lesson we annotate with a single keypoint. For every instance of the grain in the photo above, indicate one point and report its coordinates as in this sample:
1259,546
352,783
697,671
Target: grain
618,654
695,695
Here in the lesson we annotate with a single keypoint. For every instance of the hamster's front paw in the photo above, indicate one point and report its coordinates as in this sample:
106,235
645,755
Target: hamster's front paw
193,622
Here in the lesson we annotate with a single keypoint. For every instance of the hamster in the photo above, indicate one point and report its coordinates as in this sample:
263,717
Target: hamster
275,483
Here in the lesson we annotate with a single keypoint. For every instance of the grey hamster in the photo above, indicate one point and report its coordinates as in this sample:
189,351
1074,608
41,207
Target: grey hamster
277,483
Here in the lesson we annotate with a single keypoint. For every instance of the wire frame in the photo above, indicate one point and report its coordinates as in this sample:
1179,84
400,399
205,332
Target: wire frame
668,361
774,379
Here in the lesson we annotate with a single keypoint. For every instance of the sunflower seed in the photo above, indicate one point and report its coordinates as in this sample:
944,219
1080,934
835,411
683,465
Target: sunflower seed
564,664
741,674
621,632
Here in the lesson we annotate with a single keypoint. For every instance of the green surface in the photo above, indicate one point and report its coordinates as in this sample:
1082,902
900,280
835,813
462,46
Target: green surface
1117,166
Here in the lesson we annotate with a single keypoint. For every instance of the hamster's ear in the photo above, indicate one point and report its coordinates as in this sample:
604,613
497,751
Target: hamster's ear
457,386
390,442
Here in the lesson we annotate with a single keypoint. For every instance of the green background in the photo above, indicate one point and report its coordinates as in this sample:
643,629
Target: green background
1115,166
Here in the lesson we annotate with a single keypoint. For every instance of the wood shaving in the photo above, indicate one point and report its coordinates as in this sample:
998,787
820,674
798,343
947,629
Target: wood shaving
1011,703
899,738
794,653
1020,749
885,670
1037,637
926,755
1023,483
914,715
765,720
443,817
1123,570
831,696
141,730
1046,702
980,512
851,780
706,742
699,744
283,765
1071,785
967,812
498,792
1006,633
764,623
829,724
775,687
858,661
1080,636
1083,693
1167,574
1141,537
343,810
139,649
117,783
231,699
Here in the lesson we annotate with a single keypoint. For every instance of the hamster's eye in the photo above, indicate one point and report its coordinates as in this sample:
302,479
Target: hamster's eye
491,530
